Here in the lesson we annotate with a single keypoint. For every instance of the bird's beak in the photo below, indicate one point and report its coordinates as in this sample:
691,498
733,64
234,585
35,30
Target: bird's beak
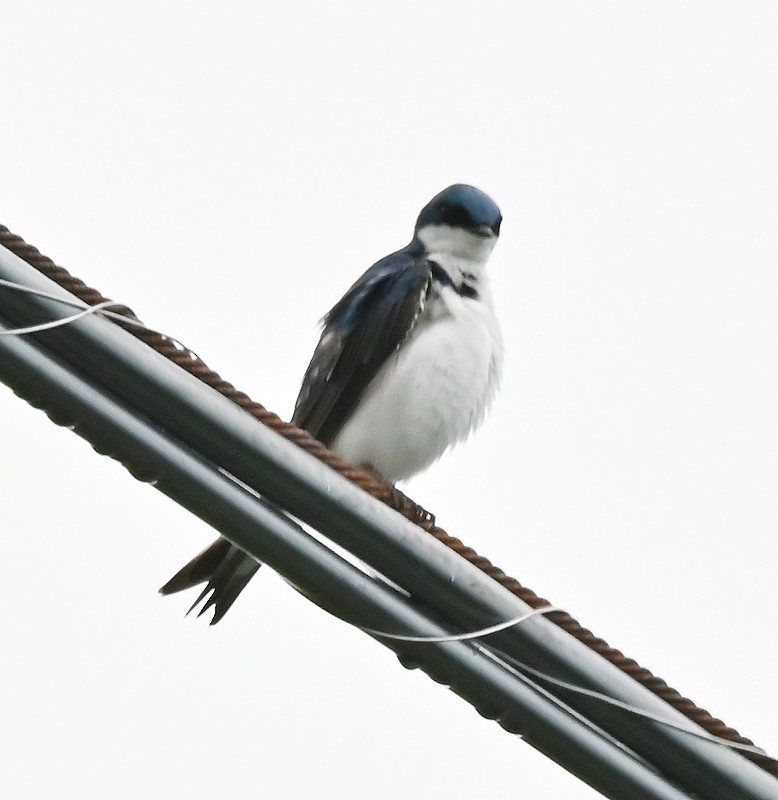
489,231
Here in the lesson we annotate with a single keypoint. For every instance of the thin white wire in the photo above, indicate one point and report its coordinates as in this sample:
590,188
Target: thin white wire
84,310
517,668
56,323
463,637
75,303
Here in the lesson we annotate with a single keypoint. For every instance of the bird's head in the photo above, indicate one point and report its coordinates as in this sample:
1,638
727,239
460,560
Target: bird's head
460,221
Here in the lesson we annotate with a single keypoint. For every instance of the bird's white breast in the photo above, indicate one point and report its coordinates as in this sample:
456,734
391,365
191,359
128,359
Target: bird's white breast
433,392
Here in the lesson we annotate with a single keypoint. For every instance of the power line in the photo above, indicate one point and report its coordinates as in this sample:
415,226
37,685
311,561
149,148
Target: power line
176,408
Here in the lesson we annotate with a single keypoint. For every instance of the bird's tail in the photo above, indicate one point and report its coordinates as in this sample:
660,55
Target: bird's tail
225,568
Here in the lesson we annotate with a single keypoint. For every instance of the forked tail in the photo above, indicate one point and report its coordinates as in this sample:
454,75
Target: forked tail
224,568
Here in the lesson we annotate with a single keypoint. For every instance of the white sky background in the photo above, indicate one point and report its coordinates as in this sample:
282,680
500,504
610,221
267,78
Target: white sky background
228,173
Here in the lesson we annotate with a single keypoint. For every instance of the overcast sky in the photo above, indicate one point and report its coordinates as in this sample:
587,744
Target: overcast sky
228,172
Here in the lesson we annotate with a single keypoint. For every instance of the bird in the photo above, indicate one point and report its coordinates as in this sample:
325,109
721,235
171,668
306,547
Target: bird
408,362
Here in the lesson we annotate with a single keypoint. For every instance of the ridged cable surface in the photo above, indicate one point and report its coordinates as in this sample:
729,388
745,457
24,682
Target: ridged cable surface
387,494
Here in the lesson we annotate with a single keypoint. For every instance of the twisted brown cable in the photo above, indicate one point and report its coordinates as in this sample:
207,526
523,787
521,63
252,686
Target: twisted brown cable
386,494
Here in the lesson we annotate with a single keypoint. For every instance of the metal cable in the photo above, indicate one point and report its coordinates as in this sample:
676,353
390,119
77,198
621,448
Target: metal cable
384,492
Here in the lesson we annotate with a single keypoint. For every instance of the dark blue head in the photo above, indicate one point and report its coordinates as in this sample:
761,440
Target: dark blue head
464,207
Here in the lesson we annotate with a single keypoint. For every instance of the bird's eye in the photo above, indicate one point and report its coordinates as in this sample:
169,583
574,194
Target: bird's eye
454,215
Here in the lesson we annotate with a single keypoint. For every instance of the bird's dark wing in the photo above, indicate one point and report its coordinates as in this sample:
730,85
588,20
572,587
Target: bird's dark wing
361,331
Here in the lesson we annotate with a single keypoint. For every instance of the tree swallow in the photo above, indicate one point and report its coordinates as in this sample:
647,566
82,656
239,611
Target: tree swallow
408,362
